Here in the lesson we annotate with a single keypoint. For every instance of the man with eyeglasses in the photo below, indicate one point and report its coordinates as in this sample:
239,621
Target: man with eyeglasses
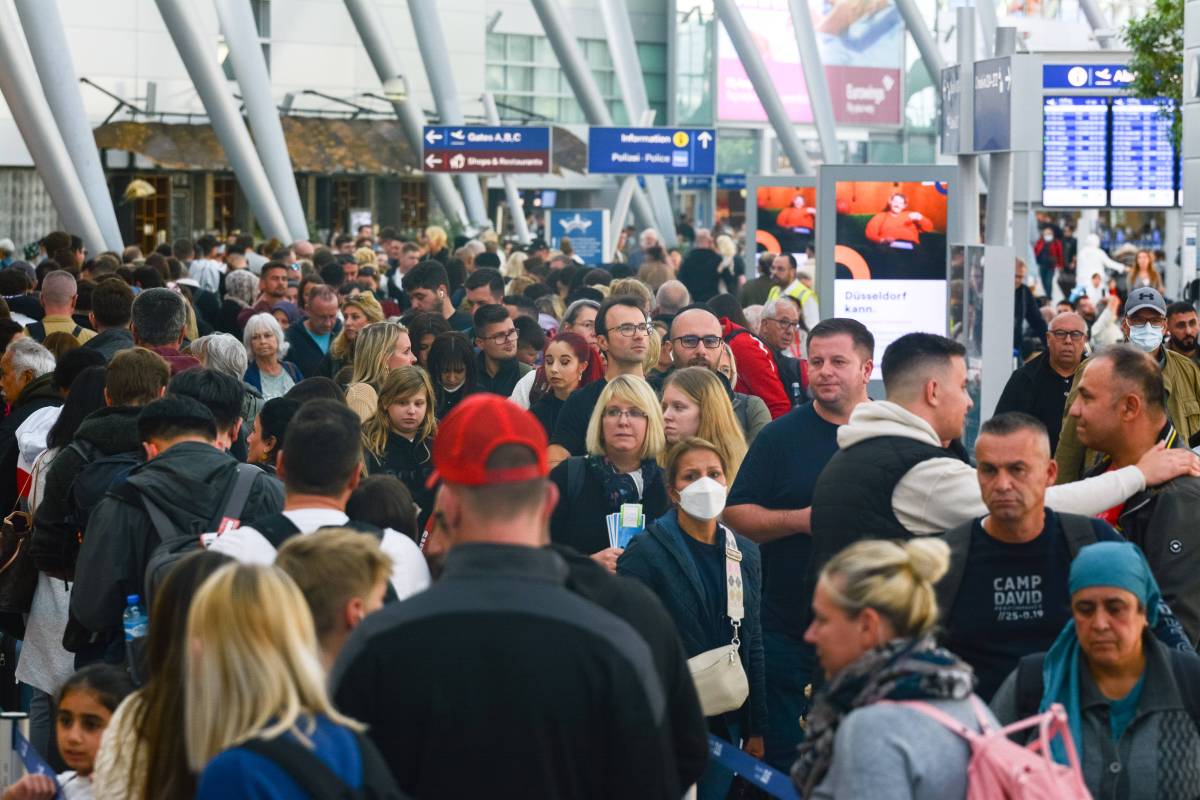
1144,326
499,369
777,329
623,333
1040,388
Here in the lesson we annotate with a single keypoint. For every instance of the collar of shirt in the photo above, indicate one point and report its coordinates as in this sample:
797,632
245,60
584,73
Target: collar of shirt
485,560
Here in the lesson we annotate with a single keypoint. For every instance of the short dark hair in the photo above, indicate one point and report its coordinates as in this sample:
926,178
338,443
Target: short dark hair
914,351
486,260
270,265
488,315
206,244
521,303
222,394
317,387
108,683
13,281
612,302
176,415
333,274
275,417
1180,307
148,277
486,276
864,342
323,450
530,334
425,323
112,303
1139,370
385,502
73,362
159,317
727,305
1011,422
426,275
183,249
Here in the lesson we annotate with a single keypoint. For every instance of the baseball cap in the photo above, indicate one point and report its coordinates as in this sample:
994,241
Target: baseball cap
473,430
1144,297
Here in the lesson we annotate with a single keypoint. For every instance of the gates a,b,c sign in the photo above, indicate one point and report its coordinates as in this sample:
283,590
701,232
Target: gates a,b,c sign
652,151
485,149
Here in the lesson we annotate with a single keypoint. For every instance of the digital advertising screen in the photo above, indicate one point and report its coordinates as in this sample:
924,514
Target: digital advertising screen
1074,152
1143,155
861,43
891,257
786,220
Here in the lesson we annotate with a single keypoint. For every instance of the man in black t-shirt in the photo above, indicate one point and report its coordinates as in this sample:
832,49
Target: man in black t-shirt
769,503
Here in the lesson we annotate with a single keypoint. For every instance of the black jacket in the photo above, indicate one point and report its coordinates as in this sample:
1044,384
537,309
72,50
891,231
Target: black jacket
504,381
189,483
699,274
1037,390
303,351
110,342
578,520
1026,311
38,394
55,539
412,463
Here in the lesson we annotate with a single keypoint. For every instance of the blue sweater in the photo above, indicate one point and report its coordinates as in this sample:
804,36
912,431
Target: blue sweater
238,774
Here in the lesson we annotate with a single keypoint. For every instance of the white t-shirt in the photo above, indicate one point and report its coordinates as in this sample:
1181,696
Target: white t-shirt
410,574
520,392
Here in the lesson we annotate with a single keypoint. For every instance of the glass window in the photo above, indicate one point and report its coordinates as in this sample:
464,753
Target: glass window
495,78
519,79
495,47
597,53
543,53
545,80
653,57
545,106
520,48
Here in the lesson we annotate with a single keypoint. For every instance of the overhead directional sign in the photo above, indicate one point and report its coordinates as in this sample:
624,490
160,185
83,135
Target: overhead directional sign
993,105
652,151
1086,76
485,149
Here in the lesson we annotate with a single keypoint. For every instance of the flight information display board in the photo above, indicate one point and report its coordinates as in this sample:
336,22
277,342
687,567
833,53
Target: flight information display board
1075,151
1143,156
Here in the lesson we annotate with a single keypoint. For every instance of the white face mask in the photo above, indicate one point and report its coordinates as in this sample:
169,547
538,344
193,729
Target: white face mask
703,499
1146,337
1049,237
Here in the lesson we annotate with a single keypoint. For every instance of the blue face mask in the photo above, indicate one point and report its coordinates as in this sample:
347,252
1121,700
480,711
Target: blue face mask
1147,338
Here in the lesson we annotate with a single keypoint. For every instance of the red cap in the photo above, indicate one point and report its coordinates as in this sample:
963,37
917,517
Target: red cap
473,430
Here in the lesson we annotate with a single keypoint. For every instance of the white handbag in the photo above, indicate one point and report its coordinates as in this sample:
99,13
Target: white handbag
720,680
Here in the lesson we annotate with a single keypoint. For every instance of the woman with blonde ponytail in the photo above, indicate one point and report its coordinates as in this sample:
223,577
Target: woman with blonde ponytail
874,615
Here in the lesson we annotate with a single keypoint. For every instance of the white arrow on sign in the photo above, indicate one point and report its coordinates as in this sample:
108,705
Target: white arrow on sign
433,136
705,138
432,161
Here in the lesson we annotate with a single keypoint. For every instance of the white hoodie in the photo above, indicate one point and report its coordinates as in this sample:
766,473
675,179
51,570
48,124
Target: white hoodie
940,493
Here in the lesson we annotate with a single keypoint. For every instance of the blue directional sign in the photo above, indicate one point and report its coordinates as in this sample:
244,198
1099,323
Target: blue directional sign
1086,76
652,151
992,115
691,183
470,148
731,180
587,228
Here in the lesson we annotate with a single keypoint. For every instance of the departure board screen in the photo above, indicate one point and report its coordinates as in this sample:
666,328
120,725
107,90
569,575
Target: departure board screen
1143,156
1075,151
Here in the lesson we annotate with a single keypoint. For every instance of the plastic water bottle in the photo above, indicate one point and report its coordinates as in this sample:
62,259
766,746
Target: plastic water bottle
135,620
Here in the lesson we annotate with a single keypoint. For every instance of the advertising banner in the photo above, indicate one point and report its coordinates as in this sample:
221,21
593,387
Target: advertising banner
862,49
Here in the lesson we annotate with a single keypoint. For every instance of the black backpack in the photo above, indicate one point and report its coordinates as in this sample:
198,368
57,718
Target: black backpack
318,781
278,528
98,473
37,331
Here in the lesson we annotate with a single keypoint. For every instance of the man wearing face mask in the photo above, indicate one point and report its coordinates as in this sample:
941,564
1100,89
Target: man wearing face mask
1144,326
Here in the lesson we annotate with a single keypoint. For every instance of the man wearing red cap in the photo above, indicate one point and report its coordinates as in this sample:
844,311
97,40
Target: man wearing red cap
500,681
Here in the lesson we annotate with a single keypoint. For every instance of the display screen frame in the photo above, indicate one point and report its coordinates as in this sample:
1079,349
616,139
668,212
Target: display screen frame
1077,201
753,184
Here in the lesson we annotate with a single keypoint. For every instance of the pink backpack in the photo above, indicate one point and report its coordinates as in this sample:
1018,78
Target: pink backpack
1001,769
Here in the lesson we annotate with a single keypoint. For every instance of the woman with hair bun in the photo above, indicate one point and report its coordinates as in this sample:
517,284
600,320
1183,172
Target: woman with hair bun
874,613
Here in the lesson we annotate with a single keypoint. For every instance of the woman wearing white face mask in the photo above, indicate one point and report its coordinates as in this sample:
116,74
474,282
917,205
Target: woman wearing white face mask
689,559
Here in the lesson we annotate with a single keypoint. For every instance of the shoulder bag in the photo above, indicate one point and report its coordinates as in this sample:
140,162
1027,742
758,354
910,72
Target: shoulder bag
718,674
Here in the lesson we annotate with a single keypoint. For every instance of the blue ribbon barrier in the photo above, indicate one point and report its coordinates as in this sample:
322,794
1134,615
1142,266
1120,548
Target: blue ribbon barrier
764,776
34,763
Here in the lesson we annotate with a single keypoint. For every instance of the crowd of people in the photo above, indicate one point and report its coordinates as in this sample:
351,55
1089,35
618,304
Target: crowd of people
431,518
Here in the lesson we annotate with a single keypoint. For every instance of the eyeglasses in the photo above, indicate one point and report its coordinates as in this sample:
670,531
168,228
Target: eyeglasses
630,329
692,342
1062,336
632,414
501,337
784,324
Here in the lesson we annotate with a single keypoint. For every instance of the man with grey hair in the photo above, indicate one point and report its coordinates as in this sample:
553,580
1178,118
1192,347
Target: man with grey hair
159,323
777,329
671,298
700,271
309,341
59,294
1040,387
646,239
27,380
7,251
223,353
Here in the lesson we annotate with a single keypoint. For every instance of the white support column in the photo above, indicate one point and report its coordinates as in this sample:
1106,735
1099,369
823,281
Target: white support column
520,225
814,80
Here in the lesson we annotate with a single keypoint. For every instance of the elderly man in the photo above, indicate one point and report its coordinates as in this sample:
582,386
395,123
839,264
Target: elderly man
1144,326
59,295
777,329
27,380
671,298
647,239
309,342
1040,388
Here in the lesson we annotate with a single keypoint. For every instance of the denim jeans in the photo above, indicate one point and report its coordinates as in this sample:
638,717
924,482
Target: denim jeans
41,721
789,664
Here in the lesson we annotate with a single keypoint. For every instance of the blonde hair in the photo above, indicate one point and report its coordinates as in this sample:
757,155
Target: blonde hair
332,566
436,236
727,353
343,346
718,424
514,267
654,348
519,284
252,669
726,246
635,391
894,578
632,287
374,345
399,384
365,256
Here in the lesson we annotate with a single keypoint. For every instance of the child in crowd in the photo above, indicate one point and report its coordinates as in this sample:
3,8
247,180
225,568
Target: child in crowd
452,367
398,439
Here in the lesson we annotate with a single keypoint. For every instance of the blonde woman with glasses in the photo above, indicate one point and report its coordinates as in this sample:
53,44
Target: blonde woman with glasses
258,721
624,440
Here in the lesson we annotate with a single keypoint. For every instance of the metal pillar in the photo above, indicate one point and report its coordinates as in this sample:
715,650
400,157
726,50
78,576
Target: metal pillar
968,164
924,39
814,80
629,186
1100,27
431,41
238,27
56,69
583,84
998,227
735,25
510,183
197,54
41,136
370,29
621,46
986,10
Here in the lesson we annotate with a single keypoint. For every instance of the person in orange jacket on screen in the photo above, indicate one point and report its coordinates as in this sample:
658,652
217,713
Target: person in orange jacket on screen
894,225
